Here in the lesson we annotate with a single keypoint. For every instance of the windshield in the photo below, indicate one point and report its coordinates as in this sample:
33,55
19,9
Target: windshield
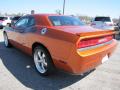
104,19
65,21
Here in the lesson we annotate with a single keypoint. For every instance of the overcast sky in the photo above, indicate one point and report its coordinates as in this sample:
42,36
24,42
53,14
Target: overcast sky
81,7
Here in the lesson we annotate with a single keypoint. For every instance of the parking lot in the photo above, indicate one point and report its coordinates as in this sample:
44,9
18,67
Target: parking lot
17,72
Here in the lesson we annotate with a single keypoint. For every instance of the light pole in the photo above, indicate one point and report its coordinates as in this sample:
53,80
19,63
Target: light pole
63,7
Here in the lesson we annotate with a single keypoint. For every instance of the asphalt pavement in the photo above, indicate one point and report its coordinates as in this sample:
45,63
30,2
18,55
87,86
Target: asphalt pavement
17,72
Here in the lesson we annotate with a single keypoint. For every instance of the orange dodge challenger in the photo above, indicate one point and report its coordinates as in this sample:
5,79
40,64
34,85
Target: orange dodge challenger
59,41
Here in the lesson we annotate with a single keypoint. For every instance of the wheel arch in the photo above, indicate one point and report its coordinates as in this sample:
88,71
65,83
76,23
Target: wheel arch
39,44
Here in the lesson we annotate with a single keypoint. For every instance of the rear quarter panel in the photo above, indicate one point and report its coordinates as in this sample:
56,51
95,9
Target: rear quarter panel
58,43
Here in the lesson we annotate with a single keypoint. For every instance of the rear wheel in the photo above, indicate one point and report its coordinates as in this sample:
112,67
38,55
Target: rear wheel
43,61
6,41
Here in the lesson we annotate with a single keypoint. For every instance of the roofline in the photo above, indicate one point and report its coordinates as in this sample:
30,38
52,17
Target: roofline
45,15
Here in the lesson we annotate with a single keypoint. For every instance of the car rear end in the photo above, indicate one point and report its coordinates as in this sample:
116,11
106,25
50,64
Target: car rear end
91,50
89,47
7,21
105,23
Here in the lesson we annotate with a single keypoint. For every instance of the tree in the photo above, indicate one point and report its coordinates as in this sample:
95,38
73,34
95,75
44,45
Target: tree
84,18
58,11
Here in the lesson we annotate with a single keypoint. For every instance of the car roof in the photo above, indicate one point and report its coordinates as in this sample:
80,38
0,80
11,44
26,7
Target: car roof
45,15
42,19
102,16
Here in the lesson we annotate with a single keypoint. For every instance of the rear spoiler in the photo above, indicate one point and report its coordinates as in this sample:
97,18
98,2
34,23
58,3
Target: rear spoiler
88,35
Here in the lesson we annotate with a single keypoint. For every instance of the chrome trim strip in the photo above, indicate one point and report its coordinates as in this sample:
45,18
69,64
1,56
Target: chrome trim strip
96,46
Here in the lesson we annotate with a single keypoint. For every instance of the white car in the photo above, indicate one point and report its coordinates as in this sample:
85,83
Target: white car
105,23
7,20
1,21
4,21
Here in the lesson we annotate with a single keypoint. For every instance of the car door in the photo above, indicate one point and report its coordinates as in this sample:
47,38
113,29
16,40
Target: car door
26,37
19,29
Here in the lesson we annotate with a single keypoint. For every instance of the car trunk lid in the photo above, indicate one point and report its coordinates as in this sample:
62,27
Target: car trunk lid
95,34
94,38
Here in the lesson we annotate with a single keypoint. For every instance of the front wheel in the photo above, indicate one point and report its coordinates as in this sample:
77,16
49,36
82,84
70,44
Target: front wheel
6,41
43,61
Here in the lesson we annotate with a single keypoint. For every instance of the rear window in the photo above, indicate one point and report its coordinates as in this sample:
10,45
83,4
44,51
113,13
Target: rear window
5,18
104,19
2,18
65,21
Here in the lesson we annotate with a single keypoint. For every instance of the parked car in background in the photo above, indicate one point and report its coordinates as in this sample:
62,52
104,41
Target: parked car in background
15,19
118,23
7,21
118,30
58,41
105,23
4,21
1,21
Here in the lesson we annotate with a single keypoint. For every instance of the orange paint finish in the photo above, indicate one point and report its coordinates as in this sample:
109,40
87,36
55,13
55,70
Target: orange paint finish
61,43
89,59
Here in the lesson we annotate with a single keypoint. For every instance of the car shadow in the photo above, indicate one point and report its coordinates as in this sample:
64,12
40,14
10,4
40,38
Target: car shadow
21,66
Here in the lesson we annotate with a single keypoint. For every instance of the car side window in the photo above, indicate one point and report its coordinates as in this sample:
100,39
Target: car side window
31,21
22,22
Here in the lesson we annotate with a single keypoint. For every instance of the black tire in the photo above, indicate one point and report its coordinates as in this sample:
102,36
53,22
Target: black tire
48,66
6,40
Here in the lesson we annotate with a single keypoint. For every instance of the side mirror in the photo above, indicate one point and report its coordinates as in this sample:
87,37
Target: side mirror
12,24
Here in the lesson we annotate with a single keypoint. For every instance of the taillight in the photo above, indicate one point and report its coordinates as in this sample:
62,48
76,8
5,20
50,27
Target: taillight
94,41
109,24
1,20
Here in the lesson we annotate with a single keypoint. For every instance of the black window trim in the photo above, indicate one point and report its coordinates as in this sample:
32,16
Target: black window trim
31,17
28,17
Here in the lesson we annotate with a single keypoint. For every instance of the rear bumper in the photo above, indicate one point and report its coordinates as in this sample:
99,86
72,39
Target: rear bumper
83,61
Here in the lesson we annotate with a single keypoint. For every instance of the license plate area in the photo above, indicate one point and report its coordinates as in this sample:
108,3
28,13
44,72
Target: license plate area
106,58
